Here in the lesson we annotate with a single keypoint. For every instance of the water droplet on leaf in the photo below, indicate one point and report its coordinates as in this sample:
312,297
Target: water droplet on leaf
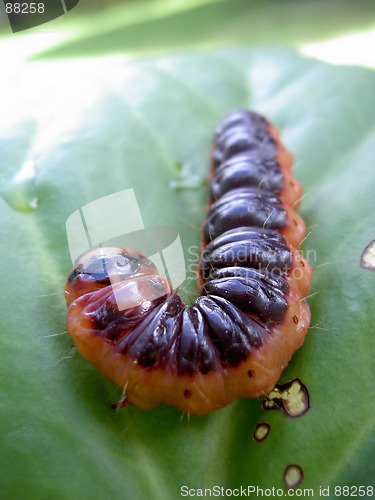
368,257
20,191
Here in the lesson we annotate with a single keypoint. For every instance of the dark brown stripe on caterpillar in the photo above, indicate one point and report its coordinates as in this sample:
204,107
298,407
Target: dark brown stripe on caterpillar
238,336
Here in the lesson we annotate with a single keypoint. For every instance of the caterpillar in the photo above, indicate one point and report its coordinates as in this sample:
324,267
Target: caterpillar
237,337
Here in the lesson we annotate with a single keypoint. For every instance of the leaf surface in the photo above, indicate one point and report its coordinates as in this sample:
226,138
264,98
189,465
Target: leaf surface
86,129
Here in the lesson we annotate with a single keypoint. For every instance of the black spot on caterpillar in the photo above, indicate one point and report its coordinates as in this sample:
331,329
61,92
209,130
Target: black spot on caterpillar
234,340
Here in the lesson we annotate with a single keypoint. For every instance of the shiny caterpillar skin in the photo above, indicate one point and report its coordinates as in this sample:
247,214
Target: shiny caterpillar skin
235,340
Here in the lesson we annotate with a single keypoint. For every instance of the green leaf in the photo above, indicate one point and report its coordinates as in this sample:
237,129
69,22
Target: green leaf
154,27
77,131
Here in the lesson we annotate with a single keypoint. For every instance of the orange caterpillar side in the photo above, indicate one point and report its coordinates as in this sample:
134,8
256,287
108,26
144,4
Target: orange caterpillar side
235,340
